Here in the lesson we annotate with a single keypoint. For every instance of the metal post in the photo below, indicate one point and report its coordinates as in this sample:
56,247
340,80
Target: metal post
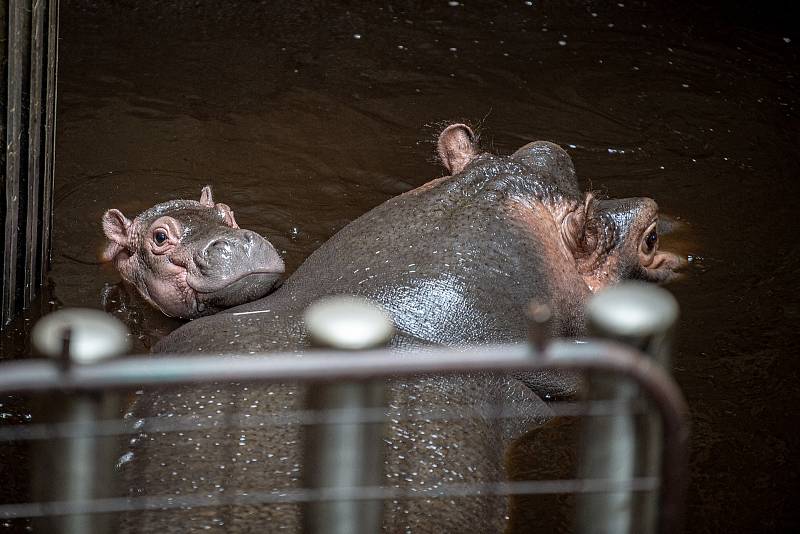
539,318
79,467
344,454
641,315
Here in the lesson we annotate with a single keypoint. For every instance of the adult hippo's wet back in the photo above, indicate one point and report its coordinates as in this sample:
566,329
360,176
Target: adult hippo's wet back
455,261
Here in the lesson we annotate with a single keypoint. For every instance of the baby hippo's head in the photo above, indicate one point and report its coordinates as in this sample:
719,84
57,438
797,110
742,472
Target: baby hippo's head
189,258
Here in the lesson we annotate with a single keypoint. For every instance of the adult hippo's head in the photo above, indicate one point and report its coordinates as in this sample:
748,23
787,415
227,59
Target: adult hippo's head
607,240
190,258
620,241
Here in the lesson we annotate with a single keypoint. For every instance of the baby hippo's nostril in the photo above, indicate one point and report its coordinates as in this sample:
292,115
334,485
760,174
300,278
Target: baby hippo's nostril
249,237
218,246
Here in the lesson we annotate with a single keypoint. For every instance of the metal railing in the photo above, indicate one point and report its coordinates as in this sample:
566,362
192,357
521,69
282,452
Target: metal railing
343,483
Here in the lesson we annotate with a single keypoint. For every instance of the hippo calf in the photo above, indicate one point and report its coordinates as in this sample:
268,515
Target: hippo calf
455,261
190,258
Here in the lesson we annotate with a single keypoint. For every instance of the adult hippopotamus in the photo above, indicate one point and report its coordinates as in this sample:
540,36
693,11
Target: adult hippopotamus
455,261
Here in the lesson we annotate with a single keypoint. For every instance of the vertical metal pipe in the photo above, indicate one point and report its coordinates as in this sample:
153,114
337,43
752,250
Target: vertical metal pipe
619,447
35,122
79,467
4,24
344,454
539,318
17,76
49,137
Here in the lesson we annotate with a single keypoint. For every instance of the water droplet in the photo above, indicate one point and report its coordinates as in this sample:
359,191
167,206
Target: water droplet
125,458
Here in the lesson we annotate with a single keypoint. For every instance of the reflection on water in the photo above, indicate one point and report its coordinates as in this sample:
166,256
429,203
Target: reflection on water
302,117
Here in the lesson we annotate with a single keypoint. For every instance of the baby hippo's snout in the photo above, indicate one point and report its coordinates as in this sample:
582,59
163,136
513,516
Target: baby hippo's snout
233,268
222,260
236,268
237,250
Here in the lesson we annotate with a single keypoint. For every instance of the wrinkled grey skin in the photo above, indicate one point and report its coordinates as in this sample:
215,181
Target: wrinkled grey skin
189,258
455,261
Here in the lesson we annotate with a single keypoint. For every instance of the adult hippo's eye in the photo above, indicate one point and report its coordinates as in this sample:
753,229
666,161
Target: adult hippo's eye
160,237
650,241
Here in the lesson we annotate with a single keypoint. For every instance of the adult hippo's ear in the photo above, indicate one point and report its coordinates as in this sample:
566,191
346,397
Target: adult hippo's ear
206,199
117,228
456,147
576,229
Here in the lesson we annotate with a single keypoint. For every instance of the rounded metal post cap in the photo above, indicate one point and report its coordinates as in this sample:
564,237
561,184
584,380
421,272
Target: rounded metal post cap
93,335
348,322
632,309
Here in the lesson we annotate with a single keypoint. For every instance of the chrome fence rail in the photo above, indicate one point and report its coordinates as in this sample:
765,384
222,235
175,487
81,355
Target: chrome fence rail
326,488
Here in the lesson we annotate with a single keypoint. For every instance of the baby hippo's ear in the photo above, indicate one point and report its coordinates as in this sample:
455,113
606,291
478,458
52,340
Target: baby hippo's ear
227,212
116,227
207,200
457,145
205,197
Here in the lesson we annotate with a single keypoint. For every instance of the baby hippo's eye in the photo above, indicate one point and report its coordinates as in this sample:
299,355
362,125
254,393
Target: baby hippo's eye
651,240
160,237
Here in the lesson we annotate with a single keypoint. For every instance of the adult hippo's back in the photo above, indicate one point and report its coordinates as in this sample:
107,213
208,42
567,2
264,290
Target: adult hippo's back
457,260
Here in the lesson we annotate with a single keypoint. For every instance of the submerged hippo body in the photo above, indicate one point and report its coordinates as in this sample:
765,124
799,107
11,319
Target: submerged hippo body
453,262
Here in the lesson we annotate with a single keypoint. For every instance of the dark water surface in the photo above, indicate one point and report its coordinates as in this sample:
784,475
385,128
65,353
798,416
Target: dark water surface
303,117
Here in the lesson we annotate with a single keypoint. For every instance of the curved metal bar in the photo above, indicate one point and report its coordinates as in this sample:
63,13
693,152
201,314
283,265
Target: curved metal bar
317,365
303,495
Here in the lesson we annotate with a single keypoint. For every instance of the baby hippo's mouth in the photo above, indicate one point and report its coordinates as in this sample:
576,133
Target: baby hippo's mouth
246,288
208,285
220,288
663,267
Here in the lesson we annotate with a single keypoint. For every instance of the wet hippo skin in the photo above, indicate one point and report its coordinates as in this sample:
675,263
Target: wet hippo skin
454,262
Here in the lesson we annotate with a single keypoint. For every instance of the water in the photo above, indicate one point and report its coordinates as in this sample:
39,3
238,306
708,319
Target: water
304,117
